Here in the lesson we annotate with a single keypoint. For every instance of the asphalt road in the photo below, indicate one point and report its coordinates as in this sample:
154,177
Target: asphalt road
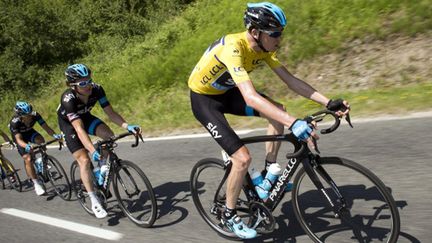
397,151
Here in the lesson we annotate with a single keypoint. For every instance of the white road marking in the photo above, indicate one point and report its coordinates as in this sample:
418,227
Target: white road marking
64,224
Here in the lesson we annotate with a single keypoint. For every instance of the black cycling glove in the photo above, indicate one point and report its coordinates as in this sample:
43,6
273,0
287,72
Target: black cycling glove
336,105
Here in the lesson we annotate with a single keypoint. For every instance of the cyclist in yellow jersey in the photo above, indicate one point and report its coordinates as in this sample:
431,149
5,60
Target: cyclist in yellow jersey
220,84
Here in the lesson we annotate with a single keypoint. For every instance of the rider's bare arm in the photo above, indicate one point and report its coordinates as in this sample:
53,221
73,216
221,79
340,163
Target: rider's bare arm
114,116
299,86
48,129
259,103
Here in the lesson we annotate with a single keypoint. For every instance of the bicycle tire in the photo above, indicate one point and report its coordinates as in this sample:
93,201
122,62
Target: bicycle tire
12,173
367,191
63,193
211,205
127,206
2,173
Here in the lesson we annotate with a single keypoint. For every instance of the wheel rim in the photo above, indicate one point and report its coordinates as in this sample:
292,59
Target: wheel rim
135,194
365,218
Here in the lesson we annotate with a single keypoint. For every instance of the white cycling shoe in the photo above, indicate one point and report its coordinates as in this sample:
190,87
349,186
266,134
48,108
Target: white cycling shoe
99,211
39,190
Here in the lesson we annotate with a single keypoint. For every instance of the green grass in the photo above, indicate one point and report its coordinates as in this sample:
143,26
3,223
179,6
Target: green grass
375,102
147,81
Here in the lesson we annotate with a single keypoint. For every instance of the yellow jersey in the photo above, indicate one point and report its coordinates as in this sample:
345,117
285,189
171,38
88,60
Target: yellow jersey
227,63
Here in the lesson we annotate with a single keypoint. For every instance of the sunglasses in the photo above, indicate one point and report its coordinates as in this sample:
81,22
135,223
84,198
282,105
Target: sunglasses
83,84
273,34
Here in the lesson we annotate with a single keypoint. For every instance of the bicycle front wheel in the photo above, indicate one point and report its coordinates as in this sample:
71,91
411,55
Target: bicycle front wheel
134,194
208,189
58,178
363,209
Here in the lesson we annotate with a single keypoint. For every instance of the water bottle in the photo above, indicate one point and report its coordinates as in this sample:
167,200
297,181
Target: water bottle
39,165
273,173
256,177
97,174
103,171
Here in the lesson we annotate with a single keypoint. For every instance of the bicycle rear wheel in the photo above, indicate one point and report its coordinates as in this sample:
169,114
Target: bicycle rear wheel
208,191
12,175
58,178
368,212
80,191
134,194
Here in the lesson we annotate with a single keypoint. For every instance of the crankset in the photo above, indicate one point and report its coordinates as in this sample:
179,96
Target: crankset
261,218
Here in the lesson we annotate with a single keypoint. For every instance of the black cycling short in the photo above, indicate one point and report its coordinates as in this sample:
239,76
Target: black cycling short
71,137
210,110
28,136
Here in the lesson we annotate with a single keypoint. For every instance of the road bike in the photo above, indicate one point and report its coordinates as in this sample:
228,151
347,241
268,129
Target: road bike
334,199
132,188
8,171
51,170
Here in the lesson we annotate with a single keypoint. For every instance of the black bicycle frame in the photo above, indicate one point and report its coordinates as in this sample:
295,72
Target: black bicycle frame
301,154
114,162
278,190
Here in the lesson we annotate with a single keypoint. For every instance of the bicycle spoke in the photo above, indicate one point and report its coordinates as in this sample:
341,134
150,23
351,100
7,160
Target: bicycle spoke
363,214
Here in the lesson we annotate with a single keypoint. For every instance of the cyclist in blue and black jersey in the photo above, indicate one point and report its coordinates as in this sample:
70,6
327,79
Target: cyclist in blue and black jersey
77,123
23,134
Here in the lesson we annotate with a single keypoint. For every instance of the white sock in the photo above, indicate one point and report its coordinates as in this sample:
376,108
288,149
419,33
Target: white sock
93,198
36,182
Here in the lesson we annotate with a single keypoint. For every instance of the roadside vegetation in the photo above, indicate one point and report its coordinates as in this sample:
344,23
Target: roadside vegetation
143,51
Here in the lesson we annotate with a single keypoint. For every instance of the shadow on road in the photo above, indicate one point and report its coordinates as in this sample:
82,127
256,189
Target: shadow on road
168,196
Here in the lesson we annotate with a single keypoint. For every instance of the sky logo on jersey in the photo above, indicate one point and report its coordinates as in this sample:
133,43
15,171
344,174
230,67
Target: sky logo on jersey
213,131
68,97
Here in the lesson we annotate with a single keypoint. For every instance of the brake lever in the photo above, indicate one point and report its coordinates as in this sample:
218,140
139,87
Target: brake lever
315,145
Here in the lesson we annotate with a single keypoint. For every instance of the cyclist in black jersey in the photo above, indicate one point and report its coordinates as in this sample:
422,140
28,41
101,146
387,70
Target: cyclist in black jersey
220,84
77,123
23,134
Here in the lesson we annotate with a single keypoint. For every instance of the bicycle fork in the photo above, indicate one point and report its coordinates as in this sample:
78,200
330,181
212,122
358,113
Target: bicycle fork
311,167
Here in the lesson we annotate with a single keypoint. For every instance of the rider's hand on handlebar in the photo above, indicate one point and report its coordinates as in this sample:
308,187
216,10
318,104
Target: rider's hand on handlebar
135,129
304,130
28,148
96,156
339,106
58,136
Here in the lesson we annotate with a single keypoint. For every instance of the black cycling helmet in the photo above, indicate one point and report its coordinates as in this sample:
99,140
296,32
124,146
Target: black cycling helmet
264,16
77,71
23,108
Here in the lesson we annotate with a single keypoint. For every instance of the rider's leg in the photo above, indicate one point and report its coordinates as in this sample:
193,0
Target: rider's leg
240,163
84,162
104,132
32,174
274,128
272,148
38,139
